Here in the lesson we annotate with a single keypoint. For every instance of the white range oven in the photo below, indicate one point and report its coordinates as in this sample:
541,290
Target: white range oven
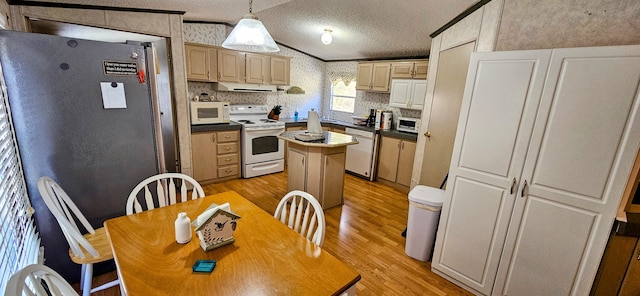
262,151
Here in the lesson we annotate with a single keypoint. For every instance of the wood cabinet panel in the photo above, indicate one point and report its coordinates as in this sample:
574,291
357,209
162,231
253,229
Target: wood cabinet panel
405,163
215,155
364,76
280,70
204,150
230,66
201,62
395,161
297,166
409,70
256,67
388,158
333,176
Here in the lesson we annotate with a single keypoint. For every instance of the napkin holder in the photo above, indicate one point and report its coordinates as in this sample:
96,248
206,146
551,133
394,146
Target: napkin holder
215,226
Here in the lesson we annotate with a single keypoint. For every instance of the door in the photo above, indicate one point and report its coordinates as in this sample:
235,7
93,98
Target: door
333,176
64,131
365,75
230,66
204,152
405,162
445,110
280,68
256,67
400,92
500,102
297,170
388,158
418,94
583,146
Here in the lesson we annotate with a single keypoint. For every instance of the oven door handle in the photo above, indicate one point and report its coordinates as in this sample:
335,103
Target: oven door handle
264,129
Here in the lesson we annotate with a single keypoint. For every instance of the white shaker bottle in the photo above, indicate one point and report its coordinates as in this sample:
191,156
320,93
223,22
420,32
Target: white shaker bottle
183,228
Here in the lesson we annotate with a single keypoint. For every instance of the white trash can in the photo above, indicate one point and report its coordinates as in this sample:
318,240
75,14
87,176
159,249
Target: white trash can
424,213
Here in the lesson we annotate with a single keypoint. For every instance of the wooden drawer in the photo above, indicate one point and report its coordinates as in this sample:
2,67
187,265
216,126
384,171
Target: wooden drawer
228,171
228,159
226,148
231,136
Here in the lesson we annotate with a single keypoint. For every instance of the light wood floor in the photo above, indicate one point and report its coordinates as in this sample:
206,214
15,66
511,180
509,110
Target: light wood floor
364,233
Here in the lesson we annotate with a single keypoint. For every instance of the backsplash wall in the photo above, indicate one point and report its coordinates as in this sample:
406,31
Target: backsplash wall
306,72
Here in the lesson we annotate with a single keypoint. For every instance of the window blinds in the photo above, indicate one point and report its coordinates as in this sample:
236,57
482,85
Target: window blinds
19,240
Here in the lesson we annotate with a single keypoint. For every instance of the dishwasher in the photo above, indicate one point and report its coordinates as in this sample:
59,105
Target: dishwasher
360,159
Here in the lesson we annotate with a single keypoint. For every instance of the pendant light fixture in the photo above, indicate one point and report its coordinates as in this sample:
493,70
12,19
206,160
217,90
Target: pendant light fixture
250,35
326,37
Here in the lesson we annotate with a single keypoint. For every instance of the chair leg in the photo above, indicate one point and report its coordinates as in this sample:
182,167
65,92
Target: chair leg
106,286
87,276
82,272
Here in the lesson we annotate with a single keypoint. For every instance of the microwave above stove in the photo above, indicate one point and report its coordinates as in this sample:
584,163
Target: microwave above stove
406,124
206,112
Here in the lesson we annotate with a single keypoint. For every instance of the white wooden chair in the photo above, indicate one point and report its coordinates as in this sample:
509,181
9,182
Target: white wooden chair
31,280
93,247
303,213
165,193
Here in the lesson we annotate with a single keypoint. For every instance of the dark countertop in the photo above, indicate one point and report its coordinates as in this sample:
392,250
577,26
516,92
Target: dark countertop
301,121
232,126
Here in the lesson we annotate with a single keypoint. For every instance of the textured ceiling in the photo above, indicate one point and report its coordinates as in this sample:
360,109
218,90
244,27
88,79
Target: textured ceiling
362,29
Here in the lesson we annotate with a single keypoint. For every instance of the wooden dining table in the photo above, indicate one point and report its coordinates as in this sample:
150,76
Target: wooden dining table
267,258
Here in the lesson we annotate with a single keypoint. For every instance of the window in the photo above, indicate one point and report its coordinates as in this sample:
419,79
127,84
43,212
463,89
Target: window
343,97
19,241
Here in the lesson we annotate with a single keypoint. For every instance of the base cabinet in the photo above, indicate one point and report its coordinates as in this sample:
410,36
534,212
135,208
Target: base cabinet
545,143
216,156
395,161
318,171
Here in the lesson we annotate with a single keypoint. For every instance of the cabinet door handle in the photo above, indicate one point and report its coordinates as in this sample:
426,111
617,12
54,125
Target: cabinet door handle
513,186
303,161
427,134
208,74
525,189
213,138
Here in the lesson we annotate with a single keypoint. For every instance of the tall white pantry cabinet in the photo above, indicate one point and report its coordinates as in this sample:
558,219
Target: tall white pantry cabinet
544,147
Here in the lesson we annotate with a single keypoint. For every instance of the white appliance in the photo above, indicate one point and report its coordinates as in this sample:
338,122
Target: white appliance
262,151
406,124
207,112
360,158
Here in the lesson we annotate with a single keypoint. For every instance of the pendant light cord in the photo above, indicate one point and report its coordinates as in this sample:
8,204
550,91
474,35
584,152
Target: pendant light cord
250,6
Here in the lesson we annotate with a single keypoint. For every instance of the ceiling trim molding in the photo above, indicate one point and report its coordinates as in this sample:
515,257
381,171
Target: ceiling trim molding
82,6
459,17
206,22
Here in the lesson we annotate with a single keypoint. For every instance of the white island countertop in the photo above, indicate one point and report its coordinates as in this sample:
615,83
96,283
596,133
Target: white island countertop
331,139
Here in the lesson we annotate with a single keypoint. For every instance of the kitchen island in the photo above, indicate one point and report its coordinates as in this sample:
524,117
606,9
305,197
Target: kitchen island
317,167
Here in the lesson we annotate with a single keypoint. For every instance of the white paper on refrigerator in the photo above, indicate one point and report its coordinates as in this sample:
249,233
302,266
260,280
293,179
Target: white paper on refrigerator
113,95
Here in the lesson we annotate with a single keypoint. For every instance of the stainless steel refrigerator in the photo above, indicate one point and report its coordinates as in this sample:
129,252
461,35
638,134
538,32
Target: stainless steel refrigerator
85,115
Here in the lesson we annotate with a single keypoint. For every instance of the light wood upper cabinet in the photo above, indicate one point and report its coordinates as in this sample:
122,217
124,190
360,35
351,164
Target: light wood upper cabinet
256,68
409,70
201,62
373,76
230,66
280,70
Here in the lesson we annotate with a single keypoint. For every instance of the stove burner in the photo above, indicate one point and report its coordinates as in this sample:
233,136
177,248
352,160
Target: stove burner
246,121
267,120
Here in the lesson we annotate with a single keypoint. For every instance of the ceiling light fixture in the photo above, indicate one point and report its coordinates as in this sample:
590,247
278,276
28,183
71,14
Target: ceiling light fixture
250,35
326,37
